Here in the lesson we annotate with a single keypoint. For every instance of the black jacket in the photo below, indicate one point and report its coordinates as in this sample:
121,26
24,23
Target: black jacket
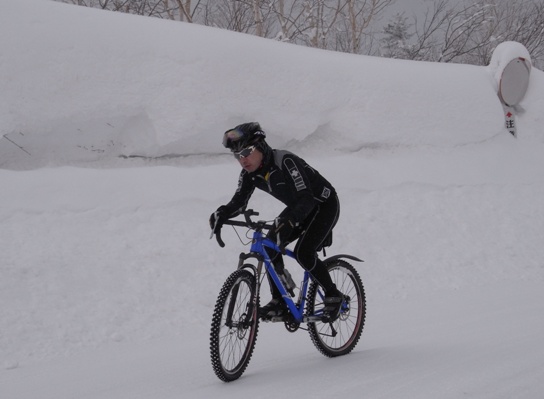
289,179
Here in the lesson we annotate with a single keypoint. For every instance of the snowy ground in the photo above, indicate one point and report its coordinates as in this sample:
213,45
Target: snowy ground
108,278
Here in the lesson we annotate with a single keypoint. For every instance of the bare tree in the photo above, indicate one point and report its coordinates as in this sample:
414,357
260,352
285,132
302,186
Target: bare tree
185,10
258,17
237,16
104,4
288,17
329,24
181,10
461,28
297,21
359,17
522,22
469,33
450,31
427,36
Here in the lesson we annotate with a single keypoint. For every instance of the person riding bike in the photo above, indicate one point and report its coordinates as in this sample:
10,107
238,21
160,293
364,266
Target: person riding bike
312,209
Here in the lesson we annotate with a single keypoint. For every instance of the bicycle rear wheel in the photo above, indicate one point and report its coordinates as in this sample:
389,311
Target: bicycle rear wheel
234,326
341,336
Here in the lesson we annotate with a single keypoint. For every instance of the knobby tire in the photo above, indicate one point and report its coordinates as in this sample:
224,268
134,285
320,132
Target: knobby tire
235,325
350,323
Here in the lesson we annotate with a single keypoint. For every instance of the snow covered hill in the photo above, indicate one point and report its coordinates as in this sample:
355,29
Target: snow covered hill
110,84
107,276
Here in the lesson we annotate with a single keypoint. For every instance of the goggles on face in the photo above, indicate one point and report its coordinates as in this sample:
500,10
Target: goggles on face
246,152
231,136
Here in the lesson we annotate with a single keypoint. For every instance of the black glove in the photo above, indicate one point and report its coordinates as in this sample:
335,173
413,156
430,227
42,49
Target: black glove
217,219
283,230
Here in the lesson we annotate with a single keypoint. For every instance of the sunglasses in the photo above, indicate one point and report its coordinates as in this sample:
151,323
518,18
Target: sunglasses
246,152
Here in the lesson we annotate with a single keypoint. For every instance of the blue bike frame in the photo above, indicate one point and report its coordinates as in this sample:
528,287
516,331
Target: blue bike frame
258,244
257,250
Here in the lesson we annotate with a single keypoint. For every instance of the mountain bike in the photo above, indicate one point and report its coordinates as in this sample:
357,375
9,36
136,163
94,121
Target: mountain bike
235,321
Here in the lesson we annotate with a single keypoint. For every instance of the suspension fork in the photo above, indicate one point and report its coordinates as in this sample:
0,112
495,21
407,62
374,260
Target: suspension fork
252,306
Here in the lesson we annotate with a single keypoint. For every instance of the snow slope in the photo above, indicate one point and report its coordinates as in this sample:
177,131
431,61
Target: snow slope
111,87
108,278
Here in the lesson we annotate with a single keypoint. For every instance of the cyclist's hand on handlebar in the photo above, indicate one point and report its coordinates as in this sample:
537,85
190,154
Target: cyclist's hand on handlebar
217,219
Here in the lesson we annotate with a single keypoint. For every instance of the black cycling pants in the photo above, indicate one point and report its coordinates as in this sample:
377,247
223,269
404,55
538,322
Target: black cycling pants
315,229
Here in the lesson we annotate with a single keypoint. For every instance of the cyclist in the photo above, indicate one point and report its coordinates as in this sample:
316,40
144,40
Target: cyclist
312,209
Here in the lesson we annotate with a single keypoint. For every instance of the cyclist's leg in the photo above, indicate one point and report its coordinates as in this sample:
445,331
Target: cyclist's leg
318,228
277,306
276,258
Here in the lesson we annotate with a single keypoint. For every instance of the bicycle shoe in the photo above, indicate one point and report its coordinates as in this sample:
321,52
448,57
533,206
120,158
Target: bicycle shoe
333,306
275,308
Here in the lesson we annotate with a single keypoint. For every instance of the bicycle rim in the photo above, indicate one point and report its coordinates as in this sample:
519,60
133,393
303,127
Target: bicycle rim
341,336
234,329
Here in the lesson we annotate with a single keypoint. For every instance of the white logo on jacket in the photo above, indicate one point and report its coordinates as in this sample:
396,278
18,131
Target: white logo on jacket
295,174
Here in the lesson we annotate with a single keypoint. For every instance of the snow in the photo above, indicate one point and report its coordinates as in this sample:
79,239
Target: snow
114,163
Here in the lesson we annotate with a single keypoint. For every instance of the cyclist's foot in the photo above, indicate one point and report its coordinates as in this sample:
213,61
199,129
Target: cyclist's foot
275,308
333,305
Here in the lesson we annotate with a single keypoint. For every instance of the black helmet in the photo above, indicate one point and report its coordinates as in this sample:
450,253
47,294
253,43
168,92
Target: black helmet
243,136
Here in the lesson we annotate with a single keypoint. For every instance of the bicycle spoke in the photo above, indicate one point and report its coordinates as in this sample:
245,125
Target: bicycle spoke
342,335
234,331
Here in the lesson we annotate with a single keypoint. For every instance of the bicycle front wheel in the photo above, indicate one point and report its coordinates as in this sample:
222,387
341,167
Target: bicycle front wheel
234,326
341,336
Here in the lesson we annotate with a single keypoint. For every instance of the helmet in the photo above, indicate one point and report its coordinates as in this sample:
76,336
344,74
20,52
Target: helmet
243,136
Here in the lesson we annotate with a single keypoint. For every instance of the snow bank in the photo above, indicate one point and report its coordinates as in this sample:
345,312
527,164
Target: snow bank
442,203
86,84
